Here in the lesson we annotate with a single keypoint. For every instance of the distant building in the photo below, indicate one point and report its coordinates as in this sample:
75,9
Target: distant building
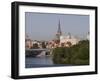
59,41
62,40
28,42
68,40
88,36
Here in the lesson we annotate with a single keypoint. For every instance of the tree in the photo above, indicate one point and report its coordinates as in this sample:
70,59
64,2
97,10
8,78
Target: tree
43,45
69,44
61,55
35,46
76,54
80,53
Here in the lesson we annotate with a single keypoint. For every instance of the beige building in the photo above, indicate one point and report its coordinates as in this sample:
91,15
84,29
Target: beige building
28,42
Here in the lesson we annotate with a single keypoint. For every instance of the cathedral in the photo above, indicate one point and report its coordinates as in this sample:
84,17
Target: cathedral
65,40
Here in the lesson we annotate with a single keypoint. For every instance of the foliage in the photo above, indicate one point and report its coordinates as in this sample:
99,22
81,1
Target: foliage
80,53
61,55
35,46
43,45
77,54
69,44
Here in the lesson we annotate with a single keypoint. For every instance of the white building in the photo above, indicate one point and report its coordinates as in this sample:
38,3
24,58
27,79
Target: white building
67,39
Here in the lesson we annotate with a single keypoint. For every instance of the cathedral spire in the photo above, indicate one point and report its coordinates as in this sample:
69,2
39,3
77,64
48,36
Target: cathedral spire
59,33
59,29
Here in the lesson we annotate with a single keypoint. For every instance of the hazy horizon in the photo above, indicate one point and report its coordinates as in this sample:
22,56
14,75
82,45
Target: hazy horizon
43,26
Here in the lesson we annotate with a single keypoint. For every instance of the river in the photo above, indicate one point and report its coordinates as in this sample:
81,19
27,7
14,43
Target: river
38,61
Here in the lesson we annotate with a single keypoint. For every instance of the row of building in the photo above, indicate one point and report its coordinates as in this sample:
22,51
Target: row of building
59,41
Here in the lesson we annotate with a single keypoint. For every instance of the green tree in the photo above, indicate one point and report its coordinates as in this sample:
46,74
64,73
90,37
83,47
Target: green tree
61,55
77,54
35,46
80,53
43,45
69,44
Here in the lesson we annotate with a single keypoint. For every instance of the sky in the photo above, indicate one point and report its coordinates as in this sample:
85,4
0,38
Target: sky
43,26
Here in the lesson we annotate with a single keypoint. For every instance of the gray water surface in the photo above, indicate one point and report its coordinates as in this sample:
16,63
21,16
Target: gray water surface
38,61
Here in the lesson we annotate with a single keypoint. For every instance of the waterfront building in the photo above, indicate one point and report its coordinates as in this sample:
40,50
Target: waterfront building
28,42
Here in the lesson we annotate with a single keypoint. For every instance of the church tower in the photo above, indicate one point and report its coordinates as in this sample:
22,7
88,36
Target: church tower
59,32
59,29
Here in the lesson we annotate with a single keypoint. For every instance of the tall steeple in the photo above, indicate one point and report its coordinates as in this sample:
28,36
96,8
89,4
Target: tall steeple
59,29
59,33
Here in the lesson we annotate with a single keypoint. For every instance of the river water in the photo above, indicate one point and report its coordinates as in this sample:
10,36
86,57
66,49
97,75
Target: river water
41,60
38,61
45,61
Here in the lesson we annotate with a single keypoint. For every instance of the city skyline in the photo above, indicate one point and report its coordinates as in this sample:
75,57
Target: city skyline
43,26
